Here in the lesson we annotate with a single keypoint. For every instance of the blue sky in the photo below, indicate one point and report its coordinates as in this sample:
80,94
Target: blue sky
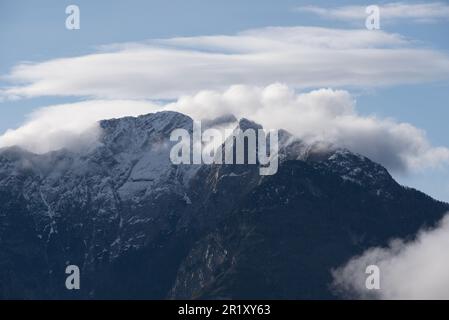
37,33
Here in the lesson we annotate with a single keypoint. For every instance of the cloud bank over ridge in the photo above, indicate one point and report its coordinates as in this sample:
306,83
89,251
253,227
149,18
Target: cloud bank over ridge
319,115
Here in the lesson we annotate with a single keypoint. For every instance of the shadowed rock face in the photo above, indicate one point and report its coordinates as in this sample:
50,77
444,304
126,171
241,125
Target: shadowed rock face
140,227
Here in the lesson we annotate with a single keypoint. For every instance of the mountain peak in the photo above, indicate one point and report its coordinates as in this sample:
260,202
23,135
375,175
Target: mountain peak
123,210
246,124
159,120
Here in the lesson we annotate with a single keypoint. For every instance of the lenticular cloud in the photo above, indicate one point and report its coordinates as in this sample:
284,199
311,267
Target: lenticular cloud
302,57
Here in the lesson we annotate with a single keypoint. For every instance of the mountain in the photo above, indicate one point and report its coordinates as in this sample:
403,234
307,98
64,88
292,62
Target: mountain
139,226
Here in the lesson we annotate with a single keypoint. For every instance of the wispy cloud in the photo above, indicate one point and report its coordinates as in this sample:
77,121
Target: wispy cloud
390,12
301,57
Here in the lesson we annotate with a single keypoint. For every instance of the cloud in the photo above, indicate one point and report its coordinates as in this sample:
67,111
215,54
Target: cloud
416,269
302,57
417,12
319,115
71,126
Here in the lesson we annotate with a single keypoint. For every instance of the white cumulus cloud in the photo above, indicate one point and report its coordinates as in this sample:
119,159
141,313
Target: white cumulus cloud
319,115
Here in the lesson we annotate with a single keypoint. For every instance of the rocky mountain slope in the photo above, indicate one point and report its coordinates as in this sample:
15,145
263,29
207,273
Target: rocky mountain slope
140,227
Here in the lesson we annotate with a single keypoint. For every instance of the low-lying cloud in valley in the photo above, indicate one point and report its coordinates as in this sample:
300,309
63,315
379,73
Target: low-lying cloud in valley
415,269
